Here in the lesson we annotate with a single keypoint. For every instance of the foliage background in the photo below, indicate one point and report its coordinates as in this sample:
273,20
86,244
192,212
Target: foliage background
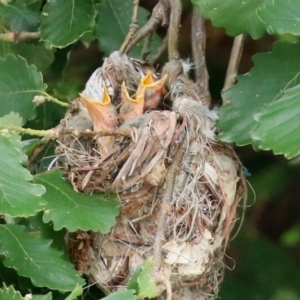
266,254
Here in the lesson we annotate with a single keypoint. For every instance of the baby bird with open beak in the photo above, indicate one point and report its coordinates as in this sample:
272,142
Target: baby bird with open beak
105,118
148,96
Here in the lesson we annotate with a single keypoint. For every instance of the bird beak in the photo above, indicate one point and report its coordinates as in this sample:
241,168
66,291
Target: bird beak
102,113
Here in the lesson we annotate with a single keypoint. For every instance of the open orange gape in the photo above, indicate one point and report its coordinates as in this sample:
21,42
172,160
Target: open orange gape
150,139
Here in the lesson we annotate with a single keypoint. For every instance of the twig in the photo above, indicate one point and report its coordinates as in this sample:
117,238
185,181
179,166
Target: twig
43,133
175,18
132,27
167,198
163,47
198,49
96,134
18,36
234,61
146,47
159,15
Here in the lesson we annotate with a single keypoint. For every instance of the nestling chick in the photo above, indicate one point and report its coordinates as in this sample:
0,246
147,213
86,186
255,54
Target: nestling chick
104,116
154,90
148,96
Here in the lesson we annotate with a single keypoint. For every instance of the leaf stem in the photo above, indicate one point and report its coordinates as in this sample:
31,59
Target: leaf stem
18,36
55,100
29,131
234,61
198,48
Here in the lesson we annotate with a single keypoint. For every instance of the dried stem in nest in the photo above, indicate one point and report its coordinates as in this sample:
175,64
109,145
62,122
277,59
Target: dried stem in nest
162,217
198,49
235,57
132,27
166,203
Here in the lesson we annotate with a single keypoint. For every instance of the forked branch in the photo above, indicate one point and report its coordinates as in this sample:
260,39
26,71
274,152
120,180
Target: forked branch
158,15
165,13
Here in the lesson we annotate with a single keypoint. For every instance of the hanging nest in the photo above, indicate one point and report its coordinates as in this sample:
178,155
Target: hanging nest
153,144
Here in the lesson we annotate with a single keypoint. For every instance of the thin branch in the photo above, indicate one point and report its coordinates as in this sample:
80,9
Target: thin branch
198,48
163,47
175,18
29,131
146,48
19,36
132,27
235,57
96,134
159,14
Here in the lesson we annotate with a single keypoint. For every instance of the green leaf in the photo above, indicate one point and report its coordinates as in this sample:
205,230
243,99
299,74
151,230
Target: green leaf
76,292
64,22
9,293
115,16
141,281
35,53
279,125
121,295
18,196
253,17
20,17
266,82
42,297
72,210
35,258
19,84
281,17
5,48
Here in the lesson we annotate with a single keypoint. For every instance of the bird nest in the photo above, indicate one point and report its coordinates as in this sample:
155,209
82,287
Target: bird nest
153,144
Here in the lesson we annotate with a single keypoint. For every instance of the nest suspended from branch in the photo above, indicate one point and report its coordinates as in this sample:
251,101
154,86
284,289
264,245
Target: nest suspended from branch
152,143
